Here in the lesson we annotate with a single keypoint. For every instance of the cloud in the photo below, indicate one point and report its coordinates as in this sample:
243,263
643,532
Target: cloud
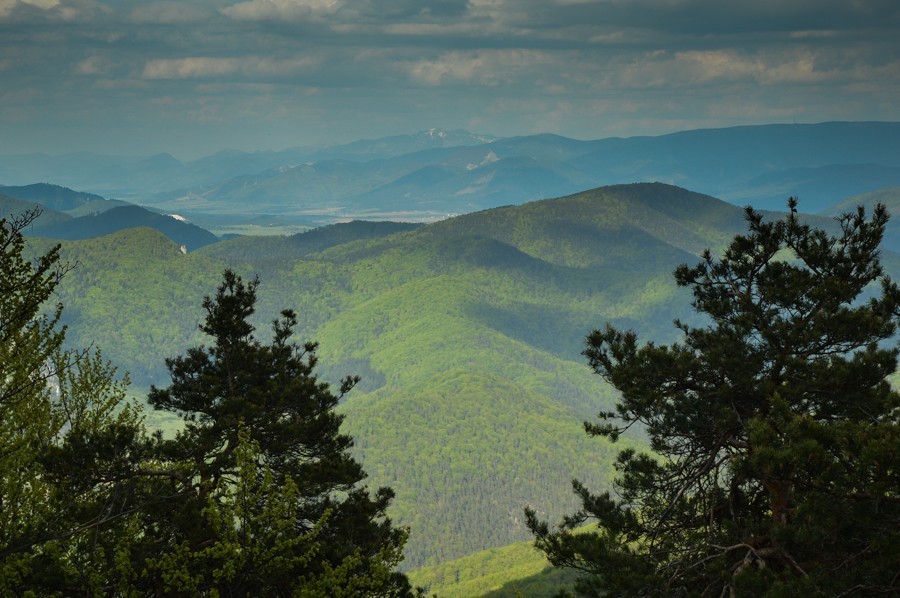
8,6
170,13
344,12
93,65
281,10
368,67
61,10
392,10
212,67
771,67
483,67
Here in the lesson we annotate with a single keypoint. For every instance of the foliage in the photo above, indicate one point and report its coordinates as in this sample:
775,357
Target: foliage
68,439
269,392
28,343
774,432
254,544
135,295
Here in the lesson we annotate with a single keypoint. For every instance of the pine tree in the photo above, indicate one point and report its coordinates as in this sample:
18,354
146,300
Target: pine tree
269,392
775,438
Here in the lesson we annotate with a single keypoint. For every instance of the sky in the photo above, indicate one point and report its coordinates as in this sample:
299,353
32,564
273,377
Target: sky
191,77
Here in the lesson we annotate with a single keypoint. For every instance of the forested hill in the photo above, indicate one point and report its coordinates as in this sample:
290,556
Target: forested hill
467,334
127,217
11,207
53,197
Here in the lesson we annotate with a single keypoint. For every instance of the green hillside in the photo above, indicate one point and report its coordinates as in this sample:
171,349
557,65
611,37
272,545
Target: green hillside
507,572
134,295
467,334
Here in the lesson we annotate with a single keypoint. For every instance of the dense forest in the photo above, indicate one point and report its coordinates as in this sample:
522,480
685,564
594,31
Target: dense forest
467,335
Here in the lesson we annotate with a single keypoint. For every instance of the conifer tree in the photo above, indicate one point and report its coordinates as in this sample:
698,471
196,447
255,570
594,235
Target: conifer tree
269,393
774,466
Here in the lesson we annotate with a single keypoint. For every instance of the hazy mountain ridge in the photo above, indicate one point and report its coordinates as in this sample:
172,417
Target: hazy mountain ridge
127,175
53,197
429,175
890,198
128,217
70,215
760,165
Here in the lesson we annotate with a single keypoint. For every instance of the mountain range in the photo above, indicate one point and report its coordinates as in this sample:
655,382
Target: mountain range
70,215
467,333
435,173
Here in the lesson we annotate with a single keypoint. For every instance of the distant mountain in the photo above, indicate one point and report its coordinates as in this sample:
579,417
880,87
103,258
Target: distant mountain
326,185
761,165
490,182
50,196
439,172
69,214
820,187
397,145
126,217
11,208
140,177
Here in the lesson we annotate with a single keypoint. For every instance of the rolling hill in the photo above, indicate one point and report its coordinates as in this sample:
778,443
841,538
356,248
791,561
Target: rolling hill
68,214
55,197
467,334
11,207
128,217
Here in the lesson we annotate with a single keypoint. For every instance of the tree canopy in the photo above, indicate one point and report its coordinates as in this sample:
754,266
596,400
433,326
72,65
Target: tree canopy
774,434
268,394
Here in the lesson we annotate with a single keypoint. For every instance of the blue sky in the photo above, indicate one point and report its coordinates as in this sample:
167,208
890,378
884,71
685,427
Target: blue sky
192,77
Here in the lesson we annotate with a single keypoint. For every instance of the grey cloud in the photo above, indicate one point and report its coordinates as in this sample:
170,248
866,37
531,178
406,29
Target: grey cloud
281,69
201,67
170,13
412,9
714,16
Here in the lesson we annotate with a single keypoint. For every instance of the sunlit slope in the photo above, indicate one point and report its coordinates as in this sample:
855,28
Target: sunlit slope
468,335
510,571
